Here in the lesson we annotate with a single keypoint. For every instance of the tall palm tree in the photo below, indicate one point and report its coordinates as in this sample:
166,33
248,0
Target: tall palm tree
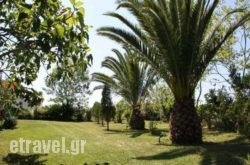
178,38
131,79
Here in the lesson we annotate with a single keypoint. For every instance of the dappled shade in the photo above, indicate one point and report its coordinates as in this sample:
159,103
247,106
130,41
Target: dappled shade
233,152
28,159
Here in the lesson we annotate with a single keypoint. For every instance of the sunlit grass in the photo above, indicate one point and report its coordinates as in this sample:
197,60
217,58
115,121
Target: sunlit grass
122,146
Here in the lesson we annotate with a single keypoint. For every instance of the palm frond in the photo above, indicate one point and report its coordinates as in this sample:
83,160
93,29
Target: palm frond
174,37
131,78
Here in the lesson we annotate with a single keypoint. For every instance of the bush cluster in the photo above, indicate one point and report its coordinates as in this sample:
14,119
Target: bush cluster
9,123
222,112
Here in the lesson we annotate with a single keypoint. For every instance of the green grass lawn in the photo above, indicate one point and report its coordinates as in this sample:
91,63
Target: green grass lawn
121,146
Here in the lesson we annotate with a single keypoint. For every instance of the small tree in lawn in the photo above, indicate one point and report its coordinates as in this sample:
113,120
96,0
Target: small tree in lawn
96,111
107,105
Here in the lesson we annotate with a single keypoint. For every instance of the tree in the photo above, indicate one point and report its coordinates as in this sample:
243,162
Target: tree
240,82
108,108
70,91
14,97
97,111
178,39
121,107
218,110
41,32
131,79
232,63
233,66
161,99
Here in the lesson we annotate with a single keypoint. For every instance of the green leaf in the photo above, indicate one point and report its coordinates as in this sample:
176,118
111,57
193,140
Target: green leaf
60,30
59,73
22,16
79,37
49,22
27,6
40,27
80,17
72,35
36,25
86,35
81,10
78,3
48,66
72,2
74,58
70,21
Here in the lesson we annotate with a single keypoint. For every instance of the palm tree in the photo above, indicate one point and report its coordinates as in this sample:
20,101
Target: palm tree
177,38
131,79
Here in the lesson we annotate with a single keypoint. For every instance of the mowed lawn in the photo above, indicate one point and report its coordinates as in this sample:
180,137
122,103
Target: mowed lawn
121,146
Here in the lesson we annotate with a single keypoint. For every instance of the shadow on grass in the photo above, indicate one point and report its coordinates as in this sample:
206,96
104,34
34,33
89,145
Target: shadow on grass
169,155
18,159
158,132
105,163
136,133
130,132
234,152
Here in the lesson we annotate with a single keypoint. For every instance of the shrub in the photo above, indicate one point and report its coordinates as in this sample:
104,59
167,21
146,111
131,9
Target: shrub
9,123
79,117
166,113
122,107
97,111
40,114
246,131
151,115
67,112
218,111
242,117
88,115
54,112
1,126
82,115
127,115
60,112
118,115
152,125
24,114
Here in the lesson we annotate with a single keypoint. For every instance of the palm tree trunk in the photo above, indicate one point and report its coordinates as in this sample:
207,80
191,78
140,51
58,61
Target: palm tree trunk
102,121
185,124
137,121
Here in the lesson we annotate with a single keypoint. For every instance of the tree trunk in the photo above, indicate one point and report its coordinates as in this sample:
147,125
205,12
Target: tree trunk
107,125
209,125
137,120
185,124
98,120
102,121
